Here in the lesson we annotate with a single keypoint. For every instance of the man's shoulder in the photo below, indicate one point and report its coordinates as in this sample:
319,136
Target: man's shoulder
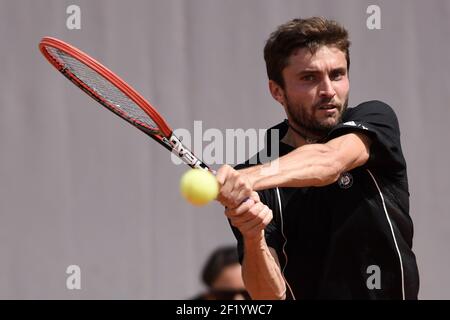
368,108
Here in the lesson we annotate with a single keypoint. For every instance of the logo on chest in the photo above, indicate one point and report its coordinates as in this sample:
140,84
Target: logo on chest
345,181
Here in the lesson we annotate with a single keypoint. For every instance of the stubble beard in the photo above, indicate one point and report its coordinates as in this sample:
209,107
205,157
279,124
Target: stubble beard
305,121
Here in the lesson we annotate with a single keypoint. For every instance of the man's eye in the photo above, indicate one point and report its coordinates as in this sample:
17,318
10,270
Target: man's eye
308,77
337,76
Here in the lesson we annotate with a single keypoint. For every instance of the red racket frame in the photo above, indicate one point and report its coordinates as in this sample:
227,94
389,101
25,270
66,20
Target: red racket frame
108,75
162,134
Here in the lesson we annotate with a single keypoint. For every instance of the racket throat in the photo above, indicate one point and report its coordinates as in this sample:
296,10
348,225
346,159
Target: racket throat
184,154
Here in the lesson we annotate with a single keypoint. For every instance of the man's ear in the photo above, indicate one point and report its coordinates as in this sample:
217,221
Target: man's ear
277,92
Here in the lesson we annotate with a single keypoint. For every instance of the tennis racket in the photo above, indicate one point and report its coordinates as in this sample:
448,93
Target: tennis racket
115,95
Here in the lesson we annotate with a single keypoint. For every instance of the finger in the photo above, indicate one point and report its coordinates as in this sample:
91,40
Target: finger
225,190
253,225
254,214
226,177
238,222
255,196
222,174
244,187
236,199
257,208
240,195
244,207
268,218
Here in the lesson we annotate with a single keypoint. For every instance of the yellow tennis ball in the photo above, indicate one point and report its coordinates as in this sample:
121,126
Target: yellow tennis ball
199,186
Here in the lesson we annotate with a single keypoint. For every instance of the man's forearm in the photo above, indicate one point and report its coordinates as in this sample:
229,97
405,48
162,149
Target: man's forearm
261,272
313,165
304,167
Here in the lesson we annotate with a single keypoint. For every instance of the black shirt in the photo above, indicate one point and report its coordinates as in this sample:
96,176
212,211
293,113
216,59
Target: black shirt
351,239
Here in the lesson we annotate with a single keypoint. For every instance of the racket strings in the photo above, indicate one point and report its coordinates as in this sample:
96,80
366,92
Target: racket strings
103,88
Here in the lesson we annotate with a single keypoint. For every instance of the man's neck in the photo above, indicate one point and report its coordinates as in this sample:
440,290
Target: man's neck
296,137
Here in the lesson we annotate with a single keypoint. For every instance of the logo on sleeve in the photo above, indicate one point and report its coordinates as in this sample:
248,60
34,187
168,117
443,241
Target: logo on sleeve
345,181
354,124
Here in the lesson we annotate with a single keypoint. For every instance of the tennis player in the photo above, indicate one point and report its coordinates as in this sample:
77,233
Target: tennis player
332,221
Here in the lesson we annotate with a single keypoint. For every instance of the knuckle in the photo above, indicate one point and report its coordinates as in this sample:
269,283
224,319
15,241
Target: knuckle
269,218
260,218
225,168
247,205
264,215
252,210
254,213
259,206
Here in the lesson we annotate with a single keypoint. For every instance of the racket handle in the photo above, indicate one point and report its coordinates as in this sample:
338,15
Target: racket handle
186,155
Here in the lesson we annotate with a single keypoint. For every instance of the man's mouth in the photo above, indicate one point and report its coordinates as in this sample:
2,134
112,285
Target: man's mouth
328,107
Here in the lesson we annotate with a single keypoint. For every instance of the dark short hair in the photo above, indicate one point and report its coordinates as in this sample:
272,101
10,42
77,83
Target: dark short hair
310,33
218,260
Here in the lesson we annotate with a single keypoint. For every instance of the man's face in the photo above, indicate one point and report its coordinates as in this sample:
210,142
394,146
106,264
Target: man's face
316,89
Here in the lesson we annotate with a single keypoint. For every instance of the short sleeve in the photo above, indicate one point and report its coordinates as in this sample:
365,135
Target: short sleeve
379,121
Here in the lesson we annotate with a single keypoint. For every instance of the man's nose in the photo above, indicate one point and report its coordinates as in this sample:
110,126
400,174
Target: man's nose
326,89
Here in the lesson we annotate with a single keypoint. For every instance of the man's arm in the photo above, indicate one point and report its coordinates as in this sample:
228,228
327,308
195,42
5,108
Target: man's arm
261,271
312,165
260,268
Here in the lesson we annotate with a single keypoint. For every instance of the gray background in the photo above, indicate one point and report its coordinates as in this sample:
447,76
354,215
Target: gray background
80,186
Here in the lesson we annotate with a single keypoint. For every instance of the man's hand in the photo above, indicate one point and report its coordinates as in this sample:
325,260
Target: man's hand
235,187
251,217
